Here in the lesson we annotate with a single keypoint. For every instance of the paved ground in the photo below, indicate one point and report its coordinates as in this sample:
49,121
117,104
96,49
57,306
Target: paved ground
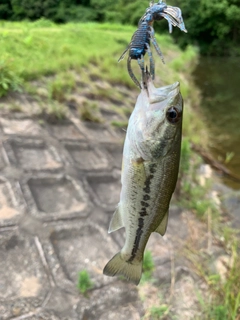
59,185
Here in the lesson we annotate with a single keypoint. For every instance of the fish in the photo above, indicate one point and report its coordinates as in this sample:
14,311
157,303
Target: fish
151,156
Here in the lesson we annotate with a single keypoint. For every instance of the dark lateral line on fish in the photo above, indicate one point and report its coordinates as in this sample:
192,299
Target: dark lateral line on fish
142,213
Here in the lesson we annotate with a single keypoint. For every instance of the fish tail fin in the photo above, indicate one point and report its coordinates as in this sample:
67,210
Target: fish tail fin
118,266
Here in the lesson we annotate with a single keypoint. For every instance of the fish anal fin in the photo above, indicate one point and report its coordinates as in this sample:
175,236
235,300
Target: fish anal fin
116,221
163,225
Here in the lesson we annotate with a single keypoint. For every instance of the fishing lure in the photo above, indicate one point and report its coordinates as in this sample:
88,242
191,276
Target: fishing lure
140,42
139,45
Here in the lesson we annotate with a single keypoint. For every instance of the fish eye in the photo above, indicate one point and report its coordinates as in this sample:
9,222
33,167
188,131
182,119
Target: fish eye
173,115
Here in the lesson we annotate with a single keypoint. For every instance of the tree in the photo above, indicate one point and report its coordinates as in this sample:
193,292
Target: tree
214,25
5,10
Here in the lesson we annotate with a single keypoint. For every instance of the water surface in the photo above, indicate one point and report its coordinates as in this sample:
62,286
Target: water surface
219,82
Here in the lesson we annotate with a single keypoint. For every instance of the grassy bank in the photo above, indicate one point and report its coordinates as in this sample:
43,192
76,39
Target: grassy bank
43,50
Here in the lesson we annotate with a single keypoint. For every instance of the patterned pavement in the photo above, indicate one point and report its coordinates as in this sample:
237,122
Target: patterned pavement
59,185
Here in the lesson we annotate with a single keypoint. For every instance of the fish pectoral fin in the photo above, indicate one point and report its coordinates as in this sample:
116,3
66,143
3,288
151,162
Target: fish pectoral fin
163,225
116,221
139,170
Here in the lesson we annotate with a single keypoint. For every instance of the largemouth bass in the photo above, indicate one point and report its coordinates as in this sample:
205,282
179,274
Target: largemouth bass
149,174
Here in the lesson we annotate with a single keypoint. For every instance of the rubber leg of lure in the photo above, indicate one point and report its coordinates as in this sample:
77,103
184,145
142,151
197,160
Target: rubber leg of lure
170,24
176,14
174,19
129,67
141,65
154,41
152,64
170,20
123,54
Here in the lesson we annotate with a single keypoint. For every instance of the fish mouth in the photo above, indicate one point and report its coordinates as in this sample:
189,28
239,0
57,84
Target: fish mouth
155,95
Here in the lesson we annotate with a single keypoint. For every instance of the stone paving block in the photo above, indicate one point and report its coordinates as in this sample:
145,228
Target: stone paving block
56,197
62,304
118,301
100,133
2,158
43,315
116,152
23,282
105,190
22,127
76,249
66,130
87,157
35,155
110,115
10,207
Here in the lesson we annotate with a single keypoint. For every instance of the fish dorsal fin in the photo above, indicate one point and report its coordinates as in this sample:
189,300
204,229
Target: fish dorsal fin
116,221
163,225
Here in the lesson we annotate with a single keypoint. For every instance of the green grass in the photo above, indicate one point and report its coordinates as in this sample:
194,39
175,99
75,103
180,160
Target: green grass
120,124
84,282
222,297
9,80
46,50
42,48
223,302
61,85
159,312
89,111
148,266
53,111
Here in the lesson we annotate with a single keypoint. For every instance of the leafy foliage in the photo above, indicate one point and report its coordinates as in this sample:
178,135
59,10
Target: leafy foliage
213,25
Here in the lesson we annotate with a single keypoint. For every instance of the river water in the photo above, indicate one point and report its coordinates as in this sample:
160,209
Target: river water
219,82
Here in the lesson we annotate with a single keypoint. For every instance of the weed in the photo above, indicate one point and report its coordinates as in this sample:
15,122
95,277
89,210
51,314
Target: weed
126,111
224,296
54,111
84,282
11,106
229,156
89,111
227,236
159,312
148,266
185,156
60,86
194,196
219,313
14,107
9,81
120,124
